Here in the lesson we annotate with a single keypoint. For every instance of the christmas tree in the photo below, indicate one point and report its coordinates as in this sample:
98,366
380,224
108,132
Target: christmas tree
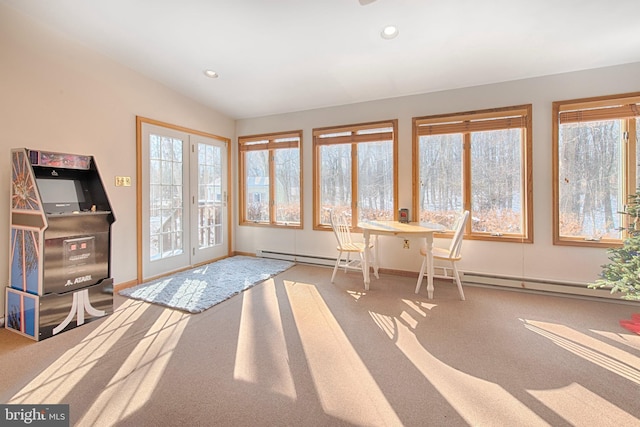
622,274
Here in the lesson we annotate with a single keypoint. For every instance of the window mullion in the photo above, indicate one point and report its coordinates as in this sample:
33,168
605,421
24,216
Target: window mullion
526,184
354,185
466,177
243,186
272,187
632,148
628,173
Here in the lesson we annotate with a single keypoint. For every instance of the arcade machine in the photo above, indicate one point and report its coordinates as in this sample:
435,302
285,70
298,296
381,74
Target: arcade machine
60,244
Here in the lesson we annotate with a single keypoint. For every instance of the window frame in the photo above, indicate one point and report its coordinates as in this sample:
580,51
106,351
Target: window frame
465,123
320,139
268,142
607,107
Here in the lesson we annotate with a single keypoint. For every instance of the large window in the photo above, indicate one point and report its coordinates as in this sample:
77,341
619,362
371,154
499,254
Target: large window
595,168
354,171
478,161
270,179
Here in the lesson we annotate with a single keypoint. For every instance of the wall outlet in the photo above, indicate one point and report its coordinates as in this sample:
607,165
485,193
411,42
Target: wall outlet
123,181
405,245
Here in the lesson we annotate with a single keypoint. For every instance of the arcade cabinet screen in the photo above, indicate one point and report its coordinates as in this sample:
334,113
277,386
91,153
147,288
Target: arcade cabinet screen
63,194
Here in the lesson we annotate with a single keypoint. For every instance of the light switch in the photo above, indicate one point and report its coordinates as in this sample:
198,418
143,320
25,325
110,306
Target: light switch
123,181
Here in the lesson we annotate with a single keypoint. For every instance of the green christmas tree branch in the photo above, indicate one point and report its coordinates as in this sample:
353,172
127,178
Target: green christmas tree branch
622,274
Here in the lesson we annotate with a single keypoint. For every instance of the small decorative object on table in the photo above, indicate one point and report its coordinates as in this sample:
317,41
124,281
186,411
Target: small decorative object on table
403,216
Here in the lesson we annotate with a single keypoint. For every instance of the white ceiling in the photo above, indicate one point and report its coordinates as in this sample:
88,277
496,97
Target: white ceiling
278,56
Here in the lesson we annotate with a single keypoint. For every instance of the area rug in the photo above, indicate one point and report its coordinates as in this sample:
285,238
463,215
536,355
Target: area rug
202,287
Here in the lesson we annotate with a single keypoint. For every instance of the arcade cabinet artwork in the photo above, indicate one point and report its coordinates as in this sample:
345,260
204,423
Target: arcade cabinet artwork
60,244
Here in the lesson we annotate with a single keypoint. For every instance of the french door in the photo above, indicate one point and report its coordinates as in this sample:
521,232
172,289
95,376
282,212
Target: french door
184,198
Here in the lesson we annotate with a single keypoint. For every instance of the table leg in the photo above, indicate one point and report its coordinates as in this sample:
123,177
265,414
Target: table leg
365,259
377,257
429,256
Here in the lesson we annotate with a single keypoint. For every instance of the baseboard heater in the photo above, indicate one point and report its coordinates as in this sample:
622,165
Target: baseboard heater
303,259
579,289
472,278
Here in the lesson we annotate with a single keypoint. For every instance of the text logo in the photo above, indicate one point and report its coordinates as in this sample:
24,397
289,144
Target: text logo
34,415
78,280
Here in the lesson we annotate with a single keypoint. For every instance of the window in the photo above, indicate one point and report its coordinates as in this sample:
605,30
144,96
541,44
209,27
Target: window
270,179
354,171
479,161
595,168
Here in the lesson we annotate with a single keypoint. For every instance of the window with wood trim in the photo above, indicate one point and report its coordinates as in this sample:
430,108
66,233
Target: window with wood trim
271,179
354,171
595,168
478,161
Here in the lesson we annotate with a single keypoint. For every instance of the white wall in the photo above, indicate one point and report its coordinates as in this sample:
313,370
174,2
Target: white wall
56,95
540,260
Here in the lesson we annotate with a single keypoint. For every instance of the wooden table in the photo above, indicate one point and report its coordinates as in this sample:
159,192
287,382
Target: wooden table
403,230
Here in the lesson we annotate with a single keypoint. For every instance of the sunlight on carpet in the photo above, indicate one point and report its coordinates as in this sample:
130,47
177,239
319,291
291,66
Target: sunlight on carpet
606,356
63,375
346,388
578,396
261,341
133,385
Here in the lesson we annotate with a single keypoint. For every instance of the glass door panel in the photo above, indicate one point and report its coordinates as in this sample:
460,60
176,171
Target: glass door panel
165,174
209,213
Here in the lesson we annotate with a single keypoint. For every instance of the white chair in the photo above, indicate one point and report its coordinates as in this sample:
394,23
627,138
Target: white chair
342,231
452,254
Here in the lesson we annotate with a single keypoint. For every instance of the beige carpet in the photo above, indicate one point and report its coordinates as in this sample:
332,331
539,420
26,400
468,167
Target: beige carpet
300,351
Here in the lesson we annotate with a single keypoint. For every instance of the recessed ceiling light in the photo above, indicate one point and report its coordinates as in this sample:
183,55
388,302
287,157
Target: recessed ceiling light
210,73
389,32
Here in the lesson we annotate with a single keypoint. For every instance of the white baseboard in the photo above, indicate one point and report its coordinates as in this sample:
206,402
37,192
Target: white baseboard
472,278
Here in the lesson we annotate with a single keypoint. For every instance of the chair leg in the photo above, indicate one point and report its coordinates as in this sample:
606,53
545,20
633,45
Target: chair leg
335,269
346,264
421,275
457,277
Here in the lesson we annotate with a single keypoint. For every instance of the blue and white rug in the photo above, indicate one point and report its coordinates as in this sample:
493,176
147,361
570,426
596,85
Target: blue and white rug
202,287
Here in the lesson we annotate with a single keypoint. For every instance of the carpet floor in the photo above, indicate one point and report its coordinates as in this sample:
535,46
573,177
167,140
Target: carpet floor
297,350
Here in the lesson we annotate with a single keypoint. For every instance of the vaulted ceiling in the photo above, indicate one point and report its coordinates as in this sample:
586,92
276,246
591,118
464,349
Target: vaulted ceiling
278,56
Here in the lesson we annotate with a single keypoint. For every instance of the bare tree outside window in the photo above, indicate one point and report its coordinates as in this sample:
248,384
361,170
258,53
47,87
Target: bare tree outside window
354,172
270,179
440,184
257,186
590,198
477,161
595,168
375,181
496,181
287,200
335,180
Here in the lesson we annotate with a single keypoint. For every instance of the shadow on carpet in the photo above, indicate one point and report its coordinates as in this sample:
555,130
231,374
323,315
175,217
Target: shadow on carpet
203,287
